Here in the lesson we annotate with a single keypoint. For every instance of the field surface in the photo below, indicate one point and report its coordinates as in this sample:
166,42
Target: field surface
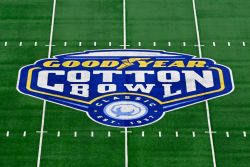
37,133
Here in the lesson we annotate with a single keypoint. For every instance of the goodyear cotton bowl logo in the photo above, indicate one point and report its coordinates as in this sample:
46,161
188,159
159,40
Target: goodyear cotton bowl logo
125,88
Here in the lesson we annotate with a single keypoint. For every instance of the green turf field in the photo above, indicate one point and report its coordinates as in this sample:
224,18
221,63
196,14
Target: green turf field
70,138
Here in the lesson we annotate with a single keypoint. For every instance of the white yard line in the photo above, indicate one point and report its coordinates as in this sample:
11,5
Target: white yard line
44,102
207,106
210,134
126,147
125,47
124,26
197,29
41,135
52,29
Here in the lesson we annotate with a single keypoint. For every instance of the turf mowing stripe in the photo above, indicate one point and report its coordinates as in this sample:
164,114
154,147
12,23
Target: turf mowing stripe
44,102
206,102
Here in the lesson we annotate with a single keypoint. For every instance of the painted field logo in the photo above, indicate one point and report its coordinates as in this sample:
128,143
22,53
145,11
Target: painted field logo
125,88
